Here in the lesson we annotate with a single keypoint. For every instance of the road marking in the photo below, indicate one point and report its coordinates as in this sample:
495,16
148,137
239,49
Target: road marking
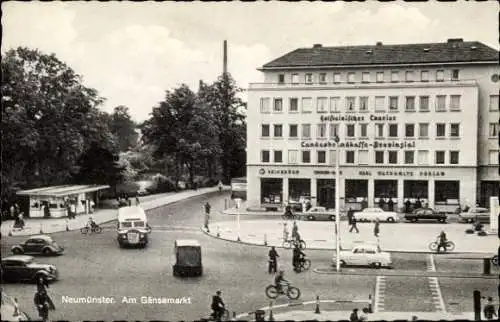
431,265
437,297
379,294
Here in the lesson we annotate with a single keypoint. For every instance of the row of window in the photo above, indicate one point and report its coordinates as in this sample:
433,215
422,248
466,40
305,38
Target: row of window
365,104
362,157
410,130
366,77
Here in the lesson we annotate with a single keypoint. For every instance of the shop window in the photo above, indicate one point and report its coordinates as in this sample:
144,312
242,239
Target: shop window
394,76
440,103
393,130
414,190
440,130
379,104
393,157
322,78
423,130
334,130
294,105
363,157
349,157
439,157
309,78
424,103
393,103
454,157
363,130
423,157
424,76
278,156
409,76
363,103
322,105
379,130
356,191
299,189
365,77
447,192
271,190
493,130
379,157
455,102
336,78
380,77
409,130
350,77
278,131
306,131
455,130
278,105
333,157
321,131
410,104
439,75
306,156
265,130
281,78
265,105
350,130
295,79
455,74
493,157
306,105
293,156
294,132
494,102
385,189
265,156
409,157
349,104
334,104
321,157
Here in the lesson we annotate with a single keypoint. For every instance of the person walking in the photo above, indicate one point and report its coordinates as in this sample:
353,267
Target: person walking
354,315
381,203
137,201
352,221
489,310
207,215
390,205
43,304
295,231
376,228
273,260
219,185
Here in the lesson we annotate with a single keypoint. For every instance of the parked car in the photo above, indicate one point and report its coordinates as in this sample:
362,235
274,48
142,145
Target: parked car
483,214
40,245
371,214
23,268
187,258
319,213
365,254
424,214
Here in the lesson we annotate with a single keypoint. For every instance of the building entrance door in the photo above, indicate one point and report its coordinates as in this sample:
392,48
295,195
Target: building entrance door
326,193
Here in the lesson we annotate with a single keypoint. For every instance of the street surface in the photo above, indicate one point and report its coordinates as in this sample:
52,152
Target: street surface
95,266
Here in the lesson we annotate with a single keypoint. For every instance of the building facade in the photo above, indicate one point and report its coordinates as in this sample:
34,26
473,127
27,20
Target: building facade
408,122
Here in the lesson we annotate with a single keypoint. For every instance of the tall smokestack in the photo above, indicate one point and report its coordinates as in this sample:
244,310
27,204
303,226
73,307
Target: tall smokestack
224,70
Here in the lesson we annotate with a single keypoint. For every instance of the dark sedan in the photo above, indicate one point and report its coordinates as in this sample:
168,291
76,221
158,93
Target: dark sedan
23,268
424,214
38,245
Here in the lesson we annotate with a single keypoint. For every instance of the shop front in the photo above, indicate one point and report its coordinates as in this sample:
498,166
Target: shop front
386,194
271,196
356,194
326,193
415,194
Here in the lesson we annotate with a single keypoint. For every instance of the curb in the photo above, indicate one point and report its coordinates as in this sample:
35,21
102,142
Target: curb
377,273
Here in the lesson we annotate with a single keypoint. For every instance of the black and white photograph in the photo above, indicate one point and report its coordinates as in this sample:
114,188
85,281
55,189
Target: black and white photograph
250,161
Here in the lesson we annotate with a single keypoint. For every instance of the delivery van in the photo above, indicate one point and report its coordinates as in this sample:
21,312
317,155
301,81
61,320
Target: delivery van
132,228
187,258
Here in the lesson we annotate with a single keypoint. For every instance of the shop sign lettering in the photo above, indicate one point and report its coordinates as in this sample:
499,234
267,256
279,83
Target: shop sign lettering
357,118
404,173
325,172
278,171
359,144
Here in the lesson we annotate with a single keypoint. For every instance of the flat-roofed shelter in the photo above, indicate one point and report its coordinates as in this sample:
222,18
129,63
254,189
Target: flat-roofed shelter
55,201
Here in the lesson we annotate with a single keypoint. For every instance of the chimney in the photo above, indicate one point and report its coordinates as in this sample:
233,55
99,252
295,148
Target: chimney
224,68
379,43
317,45
455,40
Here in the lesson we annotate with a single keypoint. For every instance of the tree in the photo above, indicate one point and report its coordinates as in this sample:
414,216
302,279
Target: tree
99,165
49,118
123,128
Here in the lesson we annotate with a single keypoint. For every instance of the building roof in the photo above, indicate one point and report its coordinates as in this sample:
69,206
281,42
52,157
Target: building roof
452,51
61,191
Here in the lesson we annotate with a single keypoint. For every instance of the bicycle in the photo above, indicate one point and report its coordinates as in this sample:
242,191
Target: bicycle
289,243
450,246
226,316
95,229
290,291
289,216
304,265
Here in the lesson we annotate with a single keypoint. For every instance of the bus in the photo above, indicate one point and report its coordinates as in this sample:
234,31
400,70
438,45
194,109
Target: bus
239,188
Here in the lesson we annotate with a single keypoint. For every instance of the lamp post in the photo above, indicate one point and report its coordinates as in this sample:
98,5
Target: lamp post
337,202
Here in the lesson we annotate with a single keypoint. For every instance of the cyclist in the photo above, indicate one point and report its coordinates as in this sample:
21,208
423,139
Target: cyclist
298,257
92,224
280,281
218,306
442,241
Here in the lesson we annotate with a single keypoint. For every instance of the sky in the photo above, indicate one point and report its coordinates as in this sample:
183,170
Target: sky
132,52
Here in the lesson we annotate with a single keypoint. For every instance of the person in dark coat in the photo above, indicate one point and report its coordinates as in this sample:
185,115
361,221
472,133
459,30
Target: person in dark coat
407,206
376,228
43,304
354,316
273,260
218,306
390,205
381,203
354,224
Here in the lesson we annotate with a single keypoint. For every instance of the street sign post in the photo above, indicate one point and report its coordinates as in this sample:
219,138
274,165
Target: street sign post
337,204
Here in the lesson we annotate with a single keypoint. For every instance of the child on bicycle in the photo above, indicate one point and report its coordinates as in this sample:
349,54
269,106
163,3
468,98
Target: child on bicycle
280,281
442,240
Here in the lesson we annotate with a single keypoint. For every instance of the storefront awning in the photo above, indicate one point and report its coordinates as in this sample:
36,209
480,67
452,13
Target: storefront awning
61,191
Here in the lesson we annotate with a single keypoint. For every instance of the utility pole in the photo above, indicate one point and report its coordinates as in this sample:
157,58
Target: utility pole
224,59
337,202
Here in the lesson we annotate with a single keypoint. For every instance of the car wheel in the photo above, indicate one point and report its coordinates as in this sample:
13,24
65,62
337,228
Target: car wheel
414,220
46,252
17,251
390,219
310,217
377,265
441,220
332,217
470,220
342,263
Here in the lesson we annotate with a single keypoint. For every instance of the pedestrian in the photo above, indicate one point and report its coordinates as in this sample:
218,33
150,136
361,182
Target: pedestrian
273,260
295,230
137,202
91,206
354,226
285,232
43,304
376,228
407,206
354,316
207,215
489,309
219,184
363,316
381,203
21,220
390,205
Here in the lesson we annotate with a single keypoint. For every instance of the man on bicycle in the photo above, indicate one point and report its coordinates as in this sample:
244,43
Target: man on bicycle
218,306
92,224
280,281
298,257
442,241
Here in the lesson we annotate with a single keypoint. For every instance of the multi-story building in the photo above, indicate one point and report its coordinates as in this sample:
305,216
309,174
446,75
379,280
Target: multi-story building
413,122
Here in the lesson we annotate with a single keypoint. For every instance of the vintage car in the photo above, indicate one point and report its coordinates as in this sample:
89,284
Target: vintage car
483,214
39,245
319,213
424,214
371,214
365,254
23,268
187,258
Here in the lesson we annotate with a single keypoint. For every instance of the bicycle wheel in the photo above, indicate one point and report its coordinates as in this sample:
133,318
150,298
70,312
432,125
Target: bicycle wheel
97,229
271,292
84,230
433,246
306,264
293,293
225,315
302,244
450,246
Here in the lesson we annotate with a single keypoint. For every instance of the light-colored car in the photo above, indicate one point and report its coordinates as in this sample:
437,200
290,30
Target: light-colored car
483,214
365,255
319,213
371,214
